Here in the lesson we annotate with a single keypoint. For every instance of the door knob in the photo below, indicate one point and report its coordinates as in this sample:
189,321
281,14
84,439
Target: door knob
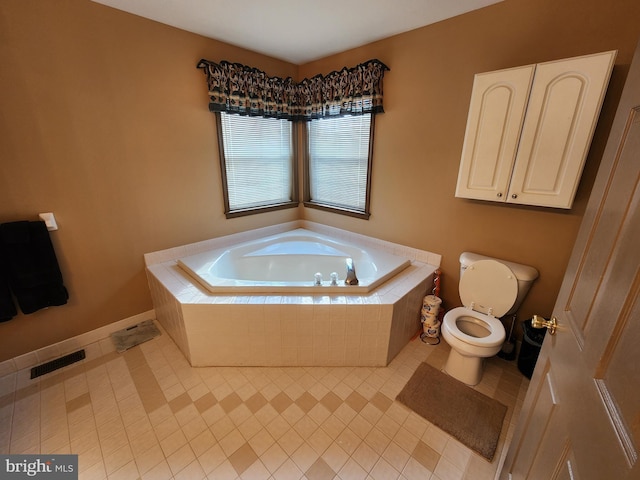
540,322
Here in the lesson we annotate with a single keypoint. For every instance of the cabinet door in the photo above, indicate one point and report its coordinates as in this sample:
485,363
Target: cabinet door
496,114
562,113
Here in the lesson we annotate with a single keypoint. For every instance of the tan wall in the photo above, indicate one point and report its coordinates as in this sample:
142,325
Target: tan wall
418,140
104,121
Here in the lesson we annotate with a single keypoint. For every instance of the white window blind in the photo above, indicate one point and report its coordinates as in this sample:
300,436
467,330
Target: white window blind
257,160
339,160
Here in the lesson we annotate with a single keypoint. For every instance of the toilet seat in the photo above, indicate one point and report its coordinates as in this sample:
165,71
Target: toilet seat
488,290
488,287
493,325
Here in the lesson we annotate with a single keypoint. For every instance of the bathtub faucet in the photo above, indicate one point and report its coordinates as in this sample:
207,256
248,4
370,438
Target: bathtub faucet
351,273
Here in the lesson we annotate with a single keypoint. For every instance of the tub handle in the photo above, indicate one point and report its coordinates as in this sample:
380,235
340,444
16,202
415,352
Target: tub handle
351,273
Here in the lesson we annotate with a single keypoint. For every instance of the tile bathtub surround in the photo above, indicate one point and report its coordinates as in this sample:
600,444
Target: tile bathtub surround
292,330
148,414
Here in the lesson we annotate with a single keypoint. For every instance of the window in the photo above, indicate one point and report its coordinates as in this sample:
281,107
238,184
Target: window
337,110
257,161
339,164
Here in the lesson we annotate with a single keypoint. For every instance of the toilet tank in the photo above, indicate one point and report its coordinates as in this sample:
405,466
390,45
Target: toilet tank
524,274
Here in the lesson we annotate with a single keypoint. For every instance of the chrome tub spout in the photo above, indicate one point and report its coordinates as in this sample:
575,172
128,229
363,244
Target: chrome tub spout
351,273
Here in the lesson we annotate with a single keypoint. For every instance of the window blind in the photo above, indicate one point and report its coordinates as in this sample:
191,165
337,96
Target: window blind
338,160
257,160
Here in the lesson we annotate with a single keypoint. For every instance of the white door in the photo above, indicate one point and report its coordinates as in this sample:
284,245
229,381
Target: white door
581,415
496,114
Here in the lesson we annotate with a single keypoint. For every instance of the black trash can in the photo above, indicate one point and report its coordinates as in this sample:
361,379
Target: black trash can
530,349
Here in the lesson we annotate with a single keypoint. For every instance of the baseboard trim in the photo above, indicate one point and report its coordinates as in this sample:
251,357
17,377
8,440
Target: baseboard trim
96,342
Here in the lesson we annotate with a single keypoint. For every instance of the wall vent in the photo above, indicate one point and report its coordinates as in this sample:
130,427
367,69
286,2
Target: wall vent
57,363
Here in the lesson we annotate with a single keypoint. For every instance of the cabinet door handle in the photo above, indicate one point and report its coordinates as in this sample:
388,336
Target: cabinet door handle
515,195
499,194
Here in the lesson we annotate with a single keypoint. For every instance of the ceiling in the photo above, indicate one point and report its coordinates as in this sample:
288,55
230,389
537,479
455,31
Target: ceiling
297,31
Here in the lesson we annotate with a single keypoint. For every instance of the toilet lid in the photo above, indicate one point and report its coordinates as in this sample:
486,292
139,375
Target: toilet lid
488,284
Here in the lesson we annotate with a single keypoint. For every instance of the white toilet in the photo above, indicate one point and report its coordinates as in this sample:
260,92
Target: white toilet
489,289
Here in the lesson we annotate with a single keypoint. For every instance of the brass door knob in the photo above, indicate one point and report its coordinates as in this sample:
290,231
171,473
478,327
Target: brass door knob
541,322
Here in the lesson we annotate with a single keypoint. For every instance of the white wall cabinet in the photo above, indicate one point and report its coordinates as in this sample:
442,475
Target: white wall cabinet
529,130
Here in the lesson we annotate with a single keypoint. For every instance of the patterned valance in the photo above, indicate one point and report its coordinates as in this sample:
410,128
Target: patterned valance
236,88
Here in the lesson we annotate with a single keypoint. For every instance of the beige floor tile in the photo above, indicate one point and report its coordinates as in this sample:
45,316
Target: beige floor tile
89,458
257,471
211,459
149,459
222,427
117,459
274,457
173,442
261,441
194,427
360,426
377,440
448,471
290,441
352,470
193,471
179,459
288,471
304,457
159,472
148,414
126,472
319,440
143,442
232,442
243,458
426,456
224,470
94,472
321,471
250,427
335,457
205,402
202,442
414,469
396,456
383,470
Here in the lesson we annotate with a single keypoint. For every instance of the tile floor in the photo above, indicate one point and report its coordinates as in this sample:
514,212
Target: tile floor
147,414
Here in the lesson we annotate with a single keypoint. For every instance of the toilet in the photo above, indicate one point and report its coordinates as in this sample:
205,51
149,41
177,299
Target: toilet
489,289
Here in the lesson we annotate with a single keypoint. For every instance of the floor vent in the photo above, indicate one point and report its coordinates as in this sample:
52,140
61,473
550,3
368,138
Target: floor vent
57,363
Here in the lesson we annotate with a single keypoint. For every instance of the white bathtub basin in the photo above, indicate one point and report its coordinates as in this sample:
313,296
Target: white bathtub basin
288,262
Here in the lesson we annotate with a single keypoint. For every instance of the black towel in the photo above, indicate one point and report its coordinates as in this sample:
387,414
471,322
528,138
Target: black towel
31,266
7,307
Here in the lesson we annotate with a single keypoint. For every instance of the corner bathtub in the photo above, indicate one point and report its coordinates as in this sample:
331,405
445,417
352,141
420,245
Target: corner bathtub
251,299
288,263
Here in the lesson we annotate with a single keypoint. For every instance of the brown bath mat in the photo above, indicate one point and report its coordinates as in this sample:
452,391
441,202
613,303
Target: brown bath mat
471,417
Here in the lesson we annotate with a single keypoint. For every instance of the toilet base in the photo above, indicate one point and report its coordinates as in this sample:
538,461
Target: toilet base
468,370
